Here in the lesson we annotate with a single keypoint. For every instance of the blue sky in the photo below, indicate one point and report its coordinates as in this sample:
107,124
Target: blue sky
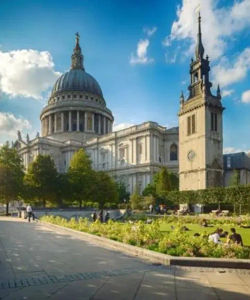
139,51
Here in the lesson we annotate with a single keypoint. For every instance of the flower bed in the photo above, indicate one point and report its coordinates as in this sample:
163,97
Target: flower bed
150,236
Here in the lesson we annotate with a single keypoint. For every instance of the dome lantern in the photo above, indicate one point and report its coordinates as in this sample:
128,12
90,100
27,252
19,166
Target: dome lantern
77,57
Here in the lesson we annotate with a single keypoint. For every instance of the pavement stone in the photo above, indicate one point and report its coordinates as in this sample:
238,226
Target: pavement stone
37,262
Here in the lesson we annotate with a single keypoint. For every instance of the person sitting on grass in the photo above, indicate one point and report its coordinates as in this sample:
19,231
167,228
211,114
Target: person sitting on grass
215,237
235,238
204,223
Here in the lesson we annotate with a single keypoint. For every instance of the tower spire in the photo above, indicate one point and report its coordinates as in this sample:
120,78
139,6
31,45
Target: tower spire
77,57
199,50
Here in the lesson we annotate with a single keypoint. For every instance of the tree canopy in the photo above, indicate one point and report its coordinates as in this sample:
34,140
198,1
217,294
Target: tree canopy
11,175
81,177
163,182
41,179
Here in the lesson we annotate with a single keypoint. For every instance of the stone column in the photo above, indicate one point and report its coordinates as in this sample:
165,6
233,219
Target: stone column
70,123
148,147
146,150
104,125
85,121
156,158
134,150
55,122
131,156
50,124
62,122
93,122
151,147
77,121
99,124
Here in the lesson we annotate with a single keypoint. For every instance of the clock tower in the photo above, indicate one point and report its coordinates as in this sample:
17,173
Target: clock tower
200,128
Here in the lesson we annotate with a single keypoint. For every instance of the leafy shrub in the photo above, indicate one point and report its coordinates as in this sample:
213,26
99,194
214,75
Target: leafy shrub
176,242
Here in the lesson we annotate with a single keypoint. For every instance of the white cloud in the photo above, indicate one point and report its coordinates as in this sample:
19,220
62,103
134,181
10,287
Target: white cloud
141,53
226,73
226,93
121,126
26,73
218,24
229,150
246,97
10,124
150,31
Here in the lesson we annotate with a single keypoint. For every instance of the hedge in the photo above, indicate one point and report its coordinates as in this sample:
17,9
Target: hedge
235,196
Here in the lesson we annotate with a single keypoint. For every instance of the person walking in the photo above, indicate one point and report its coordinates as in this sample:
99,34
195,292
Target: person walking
29,212
151,208
107,217
94,216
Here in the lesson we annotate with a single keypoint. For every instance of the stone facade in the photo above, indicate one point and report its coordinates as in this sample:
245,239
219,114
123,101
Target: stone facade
200,129
77,117
131,155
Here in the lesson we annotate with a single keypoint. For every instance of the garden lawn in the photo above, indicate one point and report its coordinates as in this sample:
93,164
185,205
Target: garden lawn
196,228
159,236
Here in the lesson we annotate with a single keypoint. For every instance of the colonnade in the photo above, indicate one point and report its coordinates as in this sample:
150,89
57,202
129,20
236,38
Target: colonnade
75,120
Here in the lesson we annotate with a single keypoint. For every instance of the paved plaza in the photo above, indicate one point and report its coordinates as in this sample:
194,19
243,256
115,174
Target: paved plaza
37,262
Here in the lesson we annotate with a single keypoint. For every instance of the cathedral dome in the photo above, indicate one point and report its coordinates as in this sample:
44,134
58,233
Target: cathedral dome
76,107
77,80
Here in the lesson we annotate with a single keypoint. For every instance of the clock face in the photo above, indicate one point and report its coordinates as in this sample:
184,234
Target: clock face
191,155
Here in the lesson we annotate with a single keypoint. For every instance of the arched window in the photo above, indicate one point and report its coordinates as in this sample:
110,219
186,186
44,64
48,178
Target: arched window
173,152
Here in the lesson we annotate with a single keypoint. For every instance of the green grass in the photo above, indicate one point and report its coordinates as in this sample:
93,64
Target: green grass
244,232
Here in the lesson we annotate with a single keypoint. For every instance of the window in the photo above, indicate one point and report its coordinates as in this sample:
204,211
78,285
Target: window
80,96
191,127
188,125
213,121
173,152
193,123
195,77
74,96
228,162
122,153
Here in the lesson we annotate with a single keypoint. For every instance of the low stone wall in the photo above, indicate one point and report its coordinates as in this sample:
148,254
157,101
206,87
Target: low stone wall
73,213
153,256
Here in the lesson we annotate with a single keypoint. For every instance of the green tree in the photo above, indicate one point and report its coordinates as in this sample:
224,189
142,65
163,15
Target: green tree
136,200
81,177
11,175
63,190
149,190
122,192
165,181
104,189
235,178
41,179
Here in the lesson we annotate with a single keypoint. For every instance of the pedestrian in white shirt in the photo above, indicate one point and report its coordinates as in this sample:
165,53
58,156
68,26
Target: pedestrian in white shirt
215,237
29,211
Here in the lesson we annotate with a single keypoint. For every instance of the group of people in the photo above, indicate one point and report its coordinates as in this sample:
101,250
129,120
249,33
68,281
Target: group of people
100,216
233,238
